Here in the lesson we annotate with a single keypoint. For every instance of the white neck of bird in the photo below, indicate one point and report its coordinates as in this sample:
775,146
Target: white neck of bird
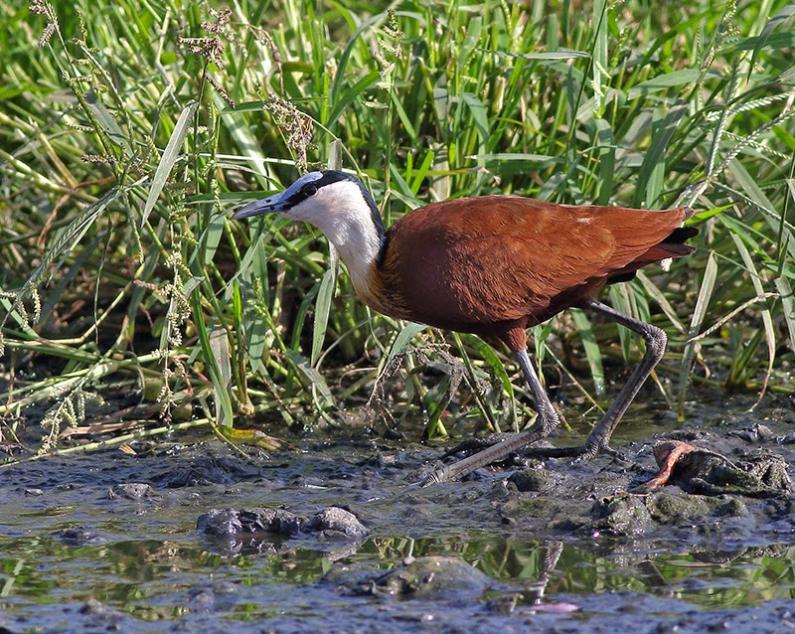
358,246
340,211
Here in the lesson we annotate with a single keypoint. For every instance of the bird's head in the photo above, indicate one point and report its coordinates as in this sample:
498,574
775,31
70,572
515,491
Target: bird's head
340,206
328,199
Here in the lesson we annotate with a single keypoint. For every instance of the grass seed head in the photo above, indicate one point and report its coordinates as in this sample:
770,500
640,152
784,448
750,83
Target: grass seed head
210,48
295,125
221,91
221,19
42,7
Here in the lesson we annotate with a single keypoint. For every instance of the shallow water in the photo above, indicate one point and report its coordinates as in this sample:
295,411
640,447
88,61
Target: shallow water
74,558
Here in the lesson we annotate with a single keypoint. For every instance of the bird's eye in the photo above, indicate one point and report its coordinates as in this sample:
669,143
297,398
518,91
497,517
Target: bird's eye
310,190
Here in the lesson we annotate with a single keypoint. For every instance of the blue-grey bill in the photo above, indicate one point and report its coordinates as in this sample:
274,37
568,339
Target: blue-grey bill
267,205
277,202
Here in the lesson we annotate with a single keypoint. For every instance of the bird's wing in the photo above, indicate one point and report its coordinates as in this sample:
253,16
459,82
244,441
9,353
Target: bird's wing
499,258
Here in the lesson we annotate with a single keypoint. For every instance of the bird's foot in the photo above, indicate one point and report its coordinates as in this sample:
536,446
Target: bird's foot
580,453
472,446
432,476
505,447
440,471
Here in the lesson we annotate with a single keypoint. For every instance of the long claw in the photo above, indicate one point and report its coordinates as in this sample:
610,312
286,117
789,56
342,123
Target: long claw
435,476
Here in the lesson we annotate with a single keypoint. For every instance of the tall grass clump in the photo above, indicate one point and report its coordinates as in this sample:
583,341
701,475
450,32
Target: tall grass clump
129,302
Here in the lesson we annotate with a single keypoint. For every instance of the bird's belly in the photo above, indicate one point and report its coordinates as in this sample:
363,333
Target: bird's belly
467,295
459,313
445,315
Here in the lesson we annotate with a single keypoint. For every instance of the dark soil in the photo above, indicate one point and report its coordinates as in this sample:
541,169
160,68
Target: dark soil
339,537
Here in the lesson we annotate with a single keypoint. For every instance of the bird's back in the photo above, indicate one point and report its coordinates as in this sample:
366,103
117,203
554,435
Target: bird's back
469,264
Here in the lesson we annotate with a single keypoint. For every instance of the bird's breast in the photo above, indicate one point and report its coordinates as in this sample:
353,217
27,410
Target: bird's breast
382,291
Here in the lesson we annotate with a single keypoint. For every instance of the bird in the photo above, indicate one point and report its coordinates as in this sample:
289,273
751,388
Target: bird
493,266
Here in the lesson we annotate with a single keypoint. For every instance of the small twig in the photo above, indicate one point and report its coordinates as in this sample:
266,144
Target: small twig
112,442
730,315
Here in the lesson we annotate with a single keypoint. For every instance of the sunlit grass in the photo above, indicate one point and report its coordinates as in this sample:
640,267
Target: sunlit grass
127,137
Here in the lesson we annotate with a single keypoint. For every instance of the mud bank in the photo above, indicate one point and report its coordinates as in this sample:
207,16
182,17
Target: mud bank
115,541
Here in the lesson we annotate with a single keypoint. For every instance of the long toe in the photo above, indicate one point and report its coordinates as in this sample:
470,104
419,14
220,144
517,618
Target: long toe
474,445
496,453
438,473
580,453
589,452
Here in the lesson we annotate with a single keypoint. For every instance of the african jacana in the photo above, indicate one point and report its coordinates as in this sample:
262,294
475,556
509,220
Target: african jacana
493,266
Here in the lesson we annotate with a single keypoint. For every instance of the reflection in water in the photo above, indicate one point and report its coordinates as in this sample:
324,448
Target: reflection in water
706,578
44,569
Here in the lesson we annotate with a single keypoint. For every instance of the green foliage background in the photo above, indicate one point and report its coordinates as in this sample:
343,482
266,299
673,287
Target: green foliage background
128,130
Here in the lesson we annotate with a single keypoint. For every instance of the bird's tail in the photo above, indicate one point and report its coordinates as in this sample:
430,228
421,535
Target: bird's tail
670,248
674,245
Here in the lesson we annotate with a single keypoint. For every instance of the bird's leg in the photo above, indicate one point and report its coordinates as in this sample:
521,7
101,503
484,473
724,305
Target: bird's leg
599,438
546,422
656,341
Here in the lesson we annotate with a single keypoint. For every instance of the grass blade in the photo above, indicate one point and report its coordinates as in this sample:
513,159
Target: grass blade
219,345
207,352
785,292
323,306
699,312
664,304
662,82
592,352
110,126
167,160
767,319
406,334
599,61
651,171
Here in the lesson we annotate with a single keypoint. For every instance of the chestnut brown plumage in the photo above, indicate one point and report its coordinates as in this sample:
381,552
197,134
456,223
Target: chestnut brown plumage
493,266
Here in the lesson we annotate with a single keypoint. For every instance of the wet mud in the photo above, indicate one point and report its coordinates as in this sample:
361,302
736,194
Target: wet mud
339,537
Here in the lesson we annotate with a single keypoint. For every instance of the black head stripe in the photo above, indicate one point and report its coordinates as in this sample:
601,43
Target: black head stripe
333,176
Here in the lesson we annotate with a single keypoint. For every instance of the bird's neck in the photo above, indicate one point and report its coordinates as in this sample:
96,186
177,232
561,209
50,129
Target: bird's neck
359,247
357,233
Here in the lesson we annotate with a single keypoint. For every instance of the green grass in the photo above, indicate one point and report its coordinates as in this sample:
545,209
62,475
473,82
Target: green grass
127,137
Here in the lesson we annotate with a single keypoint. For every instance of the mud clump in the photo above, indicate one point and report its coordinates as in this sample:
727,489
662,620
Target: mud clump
759,474
337,520
333,521
231,523
529,480
621,514
78,536
762,475
428,578
206,470
625,514
667,508
132,491
759,433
